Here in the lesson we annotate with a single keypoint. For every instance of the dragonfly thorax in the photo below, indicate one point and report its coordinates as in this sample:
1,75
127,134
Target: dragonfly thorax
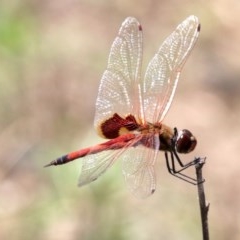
150,128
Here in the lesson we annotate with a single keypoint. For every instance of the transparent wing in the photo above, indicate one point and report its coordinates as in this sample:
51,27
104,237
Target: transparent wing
119,90
164,69
138,167
93,166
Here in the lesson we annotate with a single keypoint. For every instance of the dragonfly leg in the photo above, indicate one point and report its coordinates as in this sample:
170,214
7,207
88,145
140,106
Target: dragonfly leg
175,158
178,173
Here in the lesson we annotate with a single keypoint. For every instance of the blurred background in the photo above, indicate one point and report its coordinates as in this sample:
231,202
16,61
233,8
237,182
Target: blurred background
52,56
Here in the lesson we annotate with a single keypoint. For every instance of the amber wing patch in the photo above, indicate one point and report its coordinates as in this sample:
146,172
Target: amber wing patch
116,126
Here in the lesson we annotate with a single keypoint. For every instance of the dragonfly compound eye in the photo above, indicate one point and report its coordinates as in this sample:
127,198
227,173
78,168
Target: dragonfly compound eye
185,142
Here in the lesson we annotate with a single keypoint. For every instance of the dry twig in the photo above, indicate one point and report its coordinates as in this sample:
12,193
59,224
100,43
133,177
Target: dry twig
204,207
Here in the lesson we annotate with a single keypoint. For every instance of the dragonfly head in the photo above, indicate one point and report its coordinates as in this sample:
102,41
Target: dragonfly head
185,141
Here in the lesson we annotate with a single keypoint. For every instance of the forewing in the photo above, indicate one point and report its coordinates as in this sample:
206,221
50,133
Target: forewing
93,166
138,167
164,69
119,90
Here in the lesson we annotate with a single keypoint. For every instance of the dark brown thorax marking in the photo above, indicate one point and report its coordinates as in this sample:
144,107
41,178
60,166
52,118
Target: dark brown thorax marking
165,137
116,126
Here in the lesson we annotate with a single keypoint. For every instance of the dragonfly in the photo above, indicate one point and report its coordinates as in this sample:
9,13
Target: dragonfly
130,110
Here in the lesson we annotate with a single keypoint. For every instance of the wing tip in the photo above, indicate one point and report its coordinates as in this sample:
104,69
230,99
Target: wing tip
132,20
85,182
194,19
145,194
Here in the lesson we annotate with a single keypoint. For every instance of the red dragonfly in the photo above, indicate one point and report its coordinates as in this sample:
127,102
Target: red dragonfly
130,110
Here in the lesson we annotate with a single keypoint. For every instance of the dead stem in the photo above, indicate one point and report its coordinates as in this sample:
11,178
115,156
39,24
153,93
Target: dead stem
204,207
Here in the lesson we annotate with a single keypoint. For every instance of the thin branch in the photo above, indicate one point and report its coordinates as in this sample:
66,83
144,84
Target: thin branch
204,207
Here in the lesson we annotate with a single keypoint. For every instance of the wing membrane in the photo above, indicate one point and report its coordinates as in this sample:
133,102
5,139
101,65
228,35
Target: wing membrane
119,89
138,167
164,69
93,166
